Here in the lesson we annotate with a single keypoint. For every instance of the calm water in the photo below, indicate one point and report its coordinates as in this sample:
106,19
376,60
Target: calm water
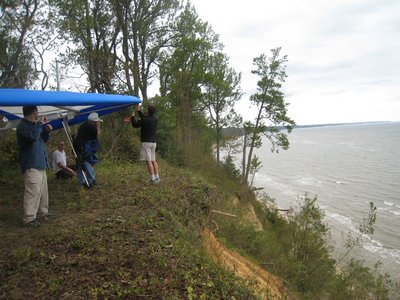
346,167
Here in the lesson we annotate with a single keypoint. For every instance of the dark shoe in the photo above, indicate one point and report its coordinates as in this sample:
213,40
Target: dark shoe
95,182
47,217
35,223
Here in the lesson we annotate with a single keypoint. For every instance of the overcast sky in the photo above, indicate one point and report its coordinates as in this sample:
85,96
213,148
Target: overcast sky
344,55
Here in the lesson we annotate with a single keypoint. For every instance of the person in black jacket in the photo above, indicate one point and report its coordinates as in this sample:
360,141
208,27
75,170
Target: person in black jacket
86,145
148,130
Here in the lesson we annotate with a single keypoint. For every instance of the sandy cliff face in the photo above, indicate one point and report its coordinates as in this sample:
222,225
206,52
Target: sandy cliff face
268,285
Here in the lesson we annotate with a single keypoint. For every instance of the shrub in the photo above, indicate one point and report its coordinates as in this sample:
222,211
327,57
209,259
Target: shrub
8,148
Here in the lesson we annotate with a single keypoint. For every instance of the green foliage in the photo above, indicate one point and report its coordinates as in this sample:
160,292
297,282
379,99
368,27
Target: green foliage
367,227
147,28
18,19
230,167
22,255
255,166
307,236
119,141
166,138
90,26
271,105
251,130
182,74
8,149
222,90
294,248
125,239
356,281
363,283
355,240
131,240
170,136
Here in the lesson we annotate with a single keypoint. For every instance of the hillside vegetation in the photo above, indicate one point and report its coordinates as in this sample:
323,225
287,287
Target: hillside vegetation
121,239
201,233
128,239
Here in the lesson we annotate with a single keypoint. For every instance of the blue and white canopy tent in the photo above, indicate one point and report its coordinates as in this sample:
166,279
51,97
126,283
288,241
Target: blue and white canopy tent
61,108
57,106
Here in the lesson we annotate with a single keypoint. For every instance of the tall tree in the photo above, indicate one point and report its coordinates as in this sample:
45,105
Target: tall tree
44,40
221,92
17,18
90,26
183,73
146,28
271,105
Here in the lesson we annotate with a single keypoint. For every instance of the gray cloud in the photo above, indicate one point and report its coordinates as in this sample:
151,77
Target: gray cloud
338,52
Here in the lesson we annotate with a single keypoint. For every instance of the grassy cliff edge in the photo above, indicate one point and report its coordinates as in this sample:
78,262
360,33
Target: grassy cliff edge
122,239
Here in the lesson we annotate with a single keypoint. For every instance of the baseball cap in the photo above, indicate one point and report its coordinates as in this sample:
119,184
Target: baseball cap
94,117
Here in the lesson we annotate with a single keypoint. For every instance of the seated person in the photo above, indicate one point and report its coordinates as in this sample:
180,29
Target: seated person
60,167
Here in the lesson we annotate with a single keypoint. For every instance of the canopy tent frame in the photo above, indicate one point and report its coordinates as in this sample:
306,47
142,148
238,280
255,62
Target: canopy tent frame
61,108
67,130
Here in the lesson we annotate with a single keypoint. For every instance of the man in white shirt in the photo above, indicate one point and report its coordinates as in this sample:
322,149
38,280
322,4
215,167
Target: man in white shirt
60,167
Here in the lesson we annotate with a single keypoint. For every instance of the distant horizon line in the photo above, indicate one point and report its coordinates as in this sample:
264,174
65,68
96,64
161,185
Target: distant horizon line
235,129
344,123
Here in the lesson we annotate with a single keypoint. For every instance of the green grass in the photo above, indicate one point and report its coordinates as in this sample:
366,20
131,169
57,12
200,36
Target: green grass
122,239
127,239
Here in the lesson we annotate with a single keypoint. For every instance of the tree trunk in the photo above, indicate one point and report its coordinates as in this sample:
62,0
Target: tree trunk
218,138
254,135
10,76
244,157
121,12
89,47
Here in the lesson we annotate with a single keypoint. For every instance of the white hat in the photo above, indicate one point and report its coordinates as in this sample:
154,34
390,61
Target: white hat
94,117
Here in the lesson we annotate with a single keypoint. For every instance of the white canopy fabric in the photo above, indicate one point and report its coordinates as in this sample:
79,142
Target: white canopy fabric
56,105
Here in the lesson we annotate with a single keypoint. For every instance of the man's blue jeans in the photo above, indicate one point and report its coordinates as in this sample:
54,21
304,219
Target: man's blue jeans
89,171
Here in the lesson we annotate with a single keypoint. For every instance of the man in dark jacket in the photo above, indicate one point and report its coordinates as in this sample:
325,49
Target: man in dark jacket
148,129
86,145
32,136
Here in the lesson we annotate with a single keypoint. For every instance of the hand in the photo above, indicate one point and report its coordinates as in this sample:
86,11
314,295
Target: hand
48,127
127,120
72,172
98,128
43,119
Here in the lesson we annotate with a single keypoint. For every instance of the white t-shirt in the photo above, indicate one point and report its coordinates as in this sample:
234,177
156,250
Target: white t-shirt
59,157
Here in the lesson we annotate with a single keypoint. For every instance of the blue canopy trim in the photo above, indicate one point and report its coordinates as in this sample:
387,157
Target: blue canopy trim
57,105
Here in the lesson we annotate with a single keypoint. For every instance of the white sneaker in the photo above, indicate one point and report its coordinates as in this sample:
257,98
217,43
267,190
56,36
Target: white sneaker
154,181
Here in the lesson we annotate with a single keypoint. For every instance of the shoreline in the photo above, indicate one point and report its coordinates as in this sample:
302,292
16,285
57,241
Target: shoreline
337,234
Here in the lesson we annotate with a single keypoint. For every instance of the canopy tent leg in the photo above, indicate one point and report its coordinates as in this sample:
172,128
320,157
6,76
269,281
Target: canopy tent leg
78,160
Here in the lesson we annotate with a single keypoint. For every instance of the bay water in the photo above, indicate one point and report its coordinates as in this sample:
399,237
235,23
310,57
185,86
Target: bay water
346,167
